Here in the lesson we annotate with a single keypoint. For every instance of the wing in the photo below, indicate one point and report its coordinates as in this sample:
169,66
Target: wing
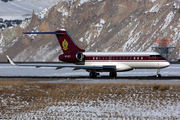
59,66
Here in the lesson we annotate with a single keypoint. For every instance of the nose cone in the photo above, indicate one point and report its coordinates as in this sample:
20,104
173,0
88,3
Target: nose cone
167,64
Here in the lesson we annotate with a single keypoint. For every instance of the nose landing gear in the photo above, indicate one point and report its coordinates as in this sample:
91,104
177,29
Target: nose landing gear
158,73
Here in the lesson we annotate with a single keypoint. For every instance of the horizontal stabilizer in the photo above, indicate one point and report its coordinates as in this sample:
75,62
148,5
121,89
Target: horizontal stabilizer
56,33
64,39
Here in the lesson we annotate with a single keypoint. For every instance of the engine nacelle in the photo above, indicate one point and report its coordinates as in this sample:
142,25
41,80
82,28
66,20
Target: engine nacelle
123,67
72,57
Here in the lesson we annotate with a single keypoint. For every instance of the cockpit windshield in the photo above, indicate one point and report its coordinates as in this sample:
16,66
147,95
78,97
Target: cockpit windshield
155,56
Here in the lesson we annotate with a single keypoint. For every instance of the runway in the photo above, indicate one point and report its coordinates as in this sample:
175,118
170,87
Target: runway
87,80
170,75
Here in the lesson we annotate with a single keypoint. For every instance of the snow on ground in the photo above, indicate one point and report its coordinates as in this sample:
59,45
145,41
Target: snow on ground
152,0
176,36
44,13
155,8
168,19
81,39
176,4
34,29
1,36
155,22
11,43
110,30
132,41
148,43
104,110
88,37
1,39
143,103
99,28
132,31
42,54
63,10
98,101
24,24
83,1
23,54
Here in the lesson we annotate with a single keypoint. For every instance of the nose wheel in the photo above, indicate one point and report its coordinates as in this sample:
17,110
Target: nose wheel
158,73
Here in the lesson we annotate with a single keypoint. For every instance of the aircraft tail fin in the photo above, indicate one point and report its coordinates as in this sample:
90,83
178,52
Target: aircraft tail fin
66,42
64,39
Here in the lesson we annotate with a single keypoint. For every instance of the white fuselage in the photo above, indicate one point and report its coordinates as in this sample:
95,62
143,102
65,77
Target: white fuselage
126,60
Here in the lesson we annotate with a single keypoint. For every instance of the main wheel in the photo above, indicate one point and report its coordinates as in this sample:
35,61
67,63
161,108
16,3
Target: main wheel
113,74
92,74
158,75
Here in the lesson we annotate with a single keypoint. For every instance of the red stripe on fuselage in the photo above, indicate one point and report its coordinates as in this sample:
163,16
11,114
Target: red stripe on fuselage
124,59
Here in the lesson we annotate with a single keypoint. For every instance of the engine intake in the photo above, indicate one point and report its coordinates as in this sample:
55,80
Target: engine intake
72,57
79,56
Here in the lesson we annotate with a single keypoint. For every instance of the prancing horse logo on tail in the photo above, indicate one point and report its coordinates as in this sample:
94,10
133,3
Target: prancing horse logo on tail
65,44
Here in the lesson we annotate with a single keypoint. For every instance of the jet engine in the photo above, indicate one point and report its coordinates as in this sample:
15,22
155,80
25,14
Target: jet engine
72,57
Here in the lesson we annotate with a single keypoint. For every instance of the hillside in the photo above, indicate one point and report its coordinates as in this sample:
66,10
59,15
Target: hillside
102,25
21,9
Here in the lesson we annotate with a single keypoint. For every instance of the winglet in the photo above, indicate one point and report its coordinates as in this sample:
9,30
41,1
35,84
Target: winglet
9,59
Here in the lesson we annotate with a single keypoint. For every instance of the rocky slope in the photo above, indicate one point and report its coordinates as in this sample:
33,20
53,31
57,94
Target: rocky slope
102,25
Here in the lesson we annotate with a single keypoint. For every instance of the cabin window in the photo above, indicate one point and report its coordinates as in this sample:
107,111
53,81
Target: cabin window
134,58
127,58
113,58
106,58
137,58
152,56
116,58
141,58
93,58
130,58
96,58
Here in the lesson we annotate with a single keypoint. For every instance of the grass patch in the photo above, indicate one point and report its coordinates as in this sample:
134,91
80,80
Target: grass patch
160,87
155,87
164,87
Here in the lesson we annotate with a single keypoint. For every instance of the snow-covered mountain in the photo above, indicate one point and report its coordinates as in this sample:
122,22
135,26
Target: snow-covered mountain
102,25
13,12
21,9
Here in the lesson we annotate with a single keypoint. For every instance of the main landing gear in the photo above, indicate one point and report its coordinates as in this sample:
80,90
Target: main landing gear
93,74
158,73
113,74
